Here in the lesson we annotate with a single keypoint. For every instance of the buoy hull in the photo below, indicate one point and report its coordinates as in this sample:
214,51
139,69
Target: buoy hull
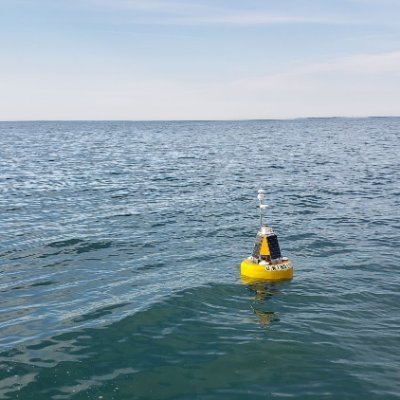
273,272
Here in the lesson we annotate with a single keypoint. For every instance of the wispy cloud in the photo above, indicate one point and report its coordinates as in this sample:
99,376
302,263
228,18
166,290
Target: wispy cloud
153,6
361,64
358,66
362,84
197,13
248,19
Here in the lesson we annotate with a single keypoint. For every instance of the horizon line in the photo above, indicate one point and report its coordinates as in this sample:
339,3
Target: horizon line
201,120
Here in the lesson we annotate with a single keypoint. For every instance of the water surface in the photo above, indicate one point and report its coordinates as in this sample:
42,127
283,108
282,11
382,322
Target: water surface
120,247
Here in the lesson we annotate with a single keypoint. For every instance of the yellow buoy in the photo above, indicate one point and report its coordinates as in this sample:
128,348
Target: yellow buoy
266,261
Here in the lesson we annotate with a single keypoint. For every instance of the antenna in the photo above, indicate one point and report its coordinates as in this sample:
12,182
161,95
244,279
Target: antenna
260,198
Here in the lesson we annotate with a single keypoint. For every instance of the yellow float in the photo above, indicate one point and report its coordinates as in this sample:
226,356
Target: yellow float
266,261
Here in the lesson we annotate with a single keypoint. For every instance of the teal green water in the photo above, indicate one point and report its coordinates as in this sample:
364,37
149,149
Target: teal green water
120,247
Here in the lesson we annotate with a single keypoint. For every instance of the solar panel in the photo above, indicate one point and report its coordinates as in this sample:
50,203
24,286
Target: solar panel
273,245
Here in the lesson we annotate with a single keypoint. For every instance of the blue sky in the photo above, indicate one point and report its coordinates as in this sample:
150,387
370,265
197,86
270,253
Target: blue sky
198,59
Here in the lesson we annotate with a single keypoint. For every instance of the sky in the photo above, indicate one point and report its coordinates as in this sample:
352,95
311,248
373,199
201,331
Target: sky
198,59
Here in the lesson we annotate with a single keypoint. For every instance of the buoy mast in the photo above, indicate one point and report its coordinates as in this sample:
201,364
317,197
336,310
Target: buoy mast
260,197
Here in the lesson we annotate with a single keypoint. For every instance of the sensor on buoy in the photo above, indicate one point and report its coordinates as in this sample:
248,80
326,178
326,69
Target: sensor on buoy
266,261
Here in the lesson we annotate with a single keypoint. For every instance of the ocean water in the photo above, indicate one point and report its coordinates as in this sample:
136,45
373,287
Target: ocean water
120,246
